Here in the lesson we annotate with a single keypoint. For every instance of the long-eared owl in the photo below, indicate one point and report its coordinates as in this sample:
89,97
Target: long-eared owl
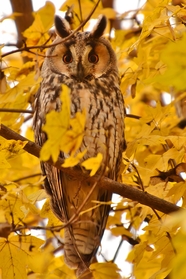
87,64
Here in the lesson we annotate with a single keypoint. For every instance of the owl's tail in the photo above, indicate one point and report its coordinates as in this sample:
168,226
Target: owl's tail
83,236
80,247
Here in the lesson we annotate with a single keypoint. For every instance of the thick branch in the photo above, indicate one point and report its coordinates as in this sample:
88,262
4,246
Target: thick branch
22,22
122,189
24,7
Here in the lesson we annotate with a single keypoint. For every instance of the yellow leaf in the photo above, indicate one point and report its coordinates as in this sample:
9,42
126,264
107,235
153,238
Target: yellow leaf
136,254
177,219
59,270
42,23
3,162
72,161
49,149
11,203
41,259
38,196
93,164
86,11
161,162
17,97
53,221
172,56
177,141
8,150
118,231
46,14
3,83
14,254
72,140
105,271
64,134
12,260
178,264
25,83
12,147
109,13
57,124
21,72
155,18
11,16
2,217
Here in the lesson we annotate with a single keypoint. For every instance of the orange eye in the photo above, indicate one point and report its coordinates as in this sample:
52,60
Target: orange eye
67,58
93,58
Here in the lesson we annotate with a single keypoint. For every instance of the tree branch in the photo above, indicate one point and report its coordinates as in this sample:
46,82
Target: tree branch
124,190
16,110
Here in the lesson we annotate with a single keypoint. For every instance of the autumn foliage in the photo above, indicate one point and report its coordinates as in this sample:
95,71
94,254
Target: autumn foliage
151,57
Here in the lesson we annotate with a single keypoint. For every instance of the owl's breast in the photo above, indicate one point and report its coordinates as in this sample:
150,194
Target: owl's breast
104,123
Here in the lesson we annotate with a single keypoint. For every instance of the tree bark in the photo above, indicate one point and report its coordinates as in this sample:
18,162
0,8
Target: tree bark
115,23
24,21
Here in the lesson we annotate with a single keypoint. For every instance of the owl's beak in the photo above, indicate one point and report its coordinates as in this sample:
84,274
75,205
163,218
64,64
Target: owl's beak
80,71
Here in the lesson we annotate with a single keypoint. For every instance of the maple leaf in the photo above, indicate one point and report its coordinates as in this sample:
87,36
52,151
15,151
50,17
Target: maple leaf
64,133
174,74
93,163
9,149
57,124
72,161
14,254
105,271
42,23
72,139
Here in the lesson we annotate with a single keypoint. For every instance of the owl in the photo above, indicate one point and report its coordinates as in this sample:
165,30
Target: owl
87,64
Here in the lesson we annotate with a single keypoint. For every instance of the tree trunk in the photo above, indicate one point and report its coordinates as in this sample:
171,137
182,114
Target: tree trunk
24,21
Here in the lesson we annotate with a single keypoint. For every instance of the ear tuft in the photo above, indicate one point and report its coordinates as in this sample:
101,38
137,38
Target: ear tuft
62,27
99,28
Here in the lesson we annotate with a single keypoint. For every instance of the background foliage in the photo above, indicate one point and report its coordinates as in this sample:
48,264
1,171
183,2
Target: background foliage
151,57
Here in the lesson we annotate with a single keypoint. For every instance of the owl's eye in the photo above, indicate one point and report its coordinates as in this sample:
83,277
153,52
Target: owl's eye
67,58
93,58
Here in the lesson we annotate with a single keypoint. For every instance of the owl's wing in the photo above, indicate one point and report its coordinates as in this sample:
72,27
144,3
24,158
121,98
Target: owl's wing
52,182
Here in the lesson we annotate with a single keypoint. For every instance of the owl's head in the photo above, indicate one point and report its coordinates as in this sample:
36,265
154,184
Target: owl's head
85,56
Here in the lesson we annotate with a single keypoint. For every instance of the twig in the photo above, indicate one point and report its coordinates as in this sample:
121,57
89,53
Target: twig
139,177
124,190
133,116
117,250
16,110
80,10
26,177
27,118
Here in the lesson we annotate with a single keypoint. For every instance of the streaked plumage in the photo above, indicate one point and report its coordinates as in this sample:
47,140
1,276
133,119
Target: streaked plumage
86,63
